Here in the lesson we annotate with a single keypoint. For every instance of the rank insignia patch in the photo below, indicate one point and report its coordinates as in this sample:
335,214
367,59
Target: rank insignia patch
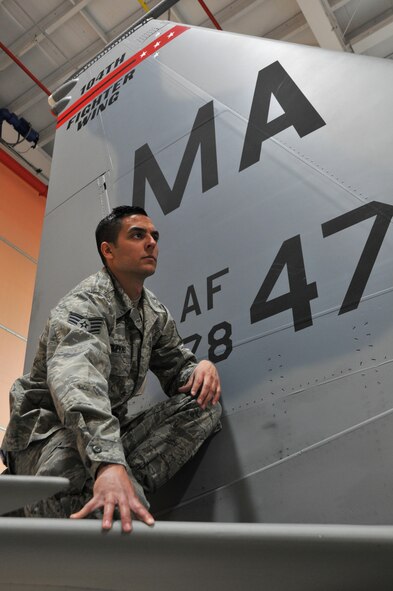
92,325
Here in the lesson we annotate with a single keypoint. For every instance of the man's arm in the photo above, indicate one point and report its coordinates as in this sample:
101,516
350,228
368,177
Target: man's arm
78,367
177,369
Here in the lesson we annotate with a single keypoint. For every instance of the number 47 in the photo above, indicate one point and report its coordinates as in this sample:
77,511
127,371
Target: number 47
300,292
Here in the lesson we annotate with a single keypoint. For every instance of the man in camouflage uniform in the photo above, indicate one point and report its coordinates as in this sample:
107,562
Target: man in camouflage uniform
70,415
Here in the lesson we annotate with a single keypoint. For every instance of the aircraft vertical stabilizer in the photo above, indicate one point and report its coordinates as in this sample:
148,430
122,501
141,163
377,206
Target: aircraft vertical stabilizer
267,168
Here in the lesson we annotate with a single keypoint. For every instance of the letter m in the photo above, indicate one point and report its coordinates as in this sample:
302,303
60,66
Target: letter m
146,167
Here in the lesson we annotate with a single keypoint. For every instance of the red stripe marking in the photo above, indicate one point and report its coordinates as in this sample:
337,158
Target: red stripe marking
125,67
24,174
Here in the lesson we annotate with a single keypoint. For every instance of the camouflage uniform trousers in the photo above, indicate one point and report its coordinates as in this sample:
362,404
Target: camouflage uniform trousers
156,442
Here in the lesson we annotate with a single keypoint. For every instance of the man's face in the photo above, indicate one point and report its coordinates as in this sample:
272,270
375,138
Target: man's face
136,251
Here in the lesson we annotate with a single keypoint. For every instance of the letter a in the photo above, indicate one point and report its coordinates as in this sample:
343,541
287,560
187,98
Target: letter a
298,112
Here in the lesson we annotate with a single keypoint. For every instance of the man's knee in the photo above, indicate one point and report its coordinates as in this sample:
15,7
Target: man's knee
55,456
208,418
216,411
200,423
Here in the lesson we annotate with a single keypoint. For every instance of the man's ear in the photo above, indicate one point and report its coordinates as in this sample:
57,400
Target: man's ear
106,250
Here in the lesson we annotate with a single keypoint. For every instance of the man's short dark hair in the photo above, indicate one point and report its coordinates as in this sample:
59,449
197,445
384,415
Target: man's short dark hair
108,228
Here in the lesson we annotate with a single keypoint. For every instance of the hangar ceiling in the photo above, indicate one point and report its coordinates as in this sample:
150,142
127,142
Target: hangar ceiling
54,38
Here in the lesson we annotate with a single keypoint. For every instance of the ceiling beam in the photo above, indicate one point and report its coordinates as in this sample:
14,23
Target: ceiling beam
177,13
337,4
323,24
41,30
233,11
34,94
70,13
286,31
373,33
94,25
17,14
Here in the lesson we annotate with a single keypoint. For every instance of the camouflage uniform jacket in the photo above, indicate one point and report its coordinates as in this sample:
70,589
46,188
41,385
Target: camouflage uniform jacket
93,356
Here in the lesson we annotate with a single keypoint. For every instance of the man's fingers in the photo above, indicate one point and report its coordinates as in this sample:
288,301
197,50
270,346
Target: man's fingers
125,515
187,387
204,397
204,383
107,518
114,489
215,392
88,508
217,395
142,514
207,392
196,385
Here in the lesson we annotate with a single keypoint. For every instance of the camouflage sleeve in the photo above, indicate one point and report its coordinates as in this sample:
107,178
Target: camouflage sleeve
171,361
78,370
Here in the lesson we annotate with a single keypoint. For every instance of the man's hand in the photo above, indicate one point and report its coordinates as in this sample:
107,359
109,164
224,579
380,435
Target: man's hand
114,488
205,382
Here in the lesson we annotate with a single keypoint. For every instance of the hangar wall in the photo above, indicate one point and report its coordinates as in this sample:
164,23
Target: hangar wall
22,211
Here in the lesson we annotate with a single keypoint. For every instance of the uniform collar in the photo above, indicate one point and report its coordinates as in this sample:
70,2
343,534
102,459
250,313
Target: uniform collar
124,304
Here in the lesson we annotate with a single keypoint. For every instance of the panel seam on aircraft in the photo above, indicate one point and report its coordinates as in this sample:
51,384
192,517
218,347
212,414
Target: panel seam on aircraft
307,388
340,377
298,155
318,168
315,315
288,148
95,179
312,447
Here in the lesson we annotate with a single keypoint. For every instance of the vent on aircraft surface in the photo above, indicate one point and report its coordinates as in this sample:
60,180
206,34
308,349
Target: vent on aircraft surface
58,100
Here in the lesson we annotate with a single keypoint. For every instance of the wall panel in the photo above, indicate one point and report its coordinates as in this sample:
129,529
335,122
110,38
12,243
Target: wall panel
2,467
21,217
21,212
16,289
12,349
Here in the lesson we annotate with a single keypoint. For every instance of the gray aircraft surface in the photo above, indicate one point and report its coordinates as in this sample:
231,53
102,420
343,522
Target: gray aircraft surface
266,167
